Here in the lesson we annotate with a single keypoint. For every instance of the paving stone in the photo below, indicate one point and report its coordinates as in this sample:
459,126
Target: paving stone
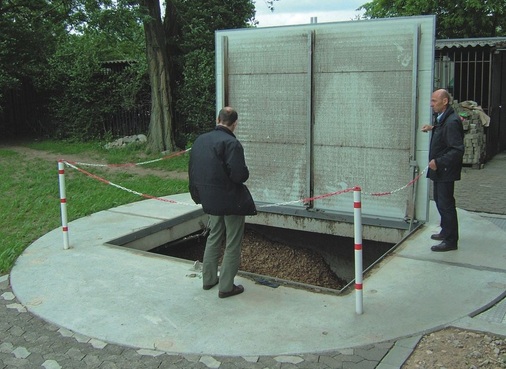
108,365
130,354
332,361
114,349
31,337
372,354
4,282
56,356
288,359
347,351
318,365
59,345
97,343
250,359
146,352
234,362
81,338
4,325
111,357
15,362
9,296
6,347
35,359
20,308
4,356
192,358
93,361
232,365
16,330
65,332
364,364
75,354
310,358
51,364
269,362
288,366
210,362
51,327
352,358
21,352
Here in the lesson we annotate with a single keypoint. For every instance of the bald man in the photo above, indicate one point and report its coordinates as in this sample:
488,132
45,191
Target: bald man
445,165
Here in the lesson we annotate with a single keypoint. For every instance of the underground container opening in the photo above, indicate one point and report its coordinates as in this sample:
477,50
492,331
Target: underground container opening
275,256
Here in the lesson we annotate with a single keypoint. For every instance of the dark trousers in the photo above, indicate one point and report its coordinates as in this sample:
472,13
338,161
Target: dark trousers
445,203
228,229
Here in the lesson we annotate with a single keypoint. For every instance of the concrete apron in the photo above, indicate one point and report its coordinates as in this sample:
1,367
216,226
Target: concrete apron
150,301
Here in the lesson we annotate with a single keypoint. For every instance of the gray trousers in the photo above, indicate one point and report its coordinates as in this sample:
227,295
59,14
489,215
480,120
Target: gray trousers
228,229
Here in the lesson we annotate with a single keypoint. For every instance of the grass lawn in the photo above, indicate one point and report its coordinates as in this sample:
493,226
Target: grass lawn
30,201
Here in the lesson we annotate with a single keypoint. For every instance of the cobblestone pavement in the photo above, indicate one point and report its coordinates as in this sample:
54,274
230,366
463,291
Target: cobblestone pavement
483,190
27,341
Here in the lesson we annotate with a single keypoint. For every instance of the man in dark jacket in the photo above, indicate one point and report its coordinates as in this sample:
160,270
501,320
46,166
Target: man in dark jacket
217,172
445,164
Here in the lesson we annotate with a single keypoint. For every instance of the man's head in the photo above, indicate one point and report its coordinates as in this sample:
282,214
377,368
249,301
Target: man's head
439,101
227,117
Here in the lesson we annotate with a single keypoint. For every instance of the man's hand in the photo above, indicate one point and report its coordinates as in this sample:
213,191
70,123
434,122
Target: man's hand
426,128
433,165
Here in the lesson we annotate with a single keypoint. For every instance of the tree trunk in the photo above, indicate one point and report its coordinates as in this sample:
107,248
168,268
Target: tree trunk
160,133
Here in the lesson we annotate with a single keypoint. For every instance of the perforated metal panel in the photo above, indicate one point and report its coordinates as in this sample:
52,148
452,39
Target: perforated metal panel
266,84
363,114
326,107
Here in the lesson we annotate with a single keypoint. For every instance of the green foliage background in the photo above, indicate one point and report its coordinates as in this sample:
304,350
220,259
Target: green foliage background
455,18
60,48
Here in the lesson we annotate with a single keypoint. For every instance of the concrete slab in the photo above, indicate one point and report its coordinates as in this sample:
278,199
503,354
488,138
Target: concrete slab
155,302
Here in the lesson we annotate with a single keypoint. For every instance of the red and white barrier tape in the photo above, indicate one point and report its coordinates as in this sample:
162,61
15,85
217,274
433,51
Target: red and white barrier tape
124,188
307,199
400,188
130,164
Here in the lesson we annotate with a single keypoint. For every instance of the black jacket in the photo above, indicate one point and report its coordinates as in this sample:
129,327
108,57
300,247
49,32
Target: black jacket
447,147
217,172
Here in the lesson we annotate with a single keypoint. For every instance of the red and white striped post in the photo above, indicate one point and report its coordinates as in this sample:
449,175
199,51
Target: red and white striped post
63,204
357,216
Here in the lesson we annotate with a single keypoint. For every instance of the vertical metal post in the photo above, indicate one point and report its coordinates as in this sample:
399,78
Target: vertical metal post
357,217
63,204
310,119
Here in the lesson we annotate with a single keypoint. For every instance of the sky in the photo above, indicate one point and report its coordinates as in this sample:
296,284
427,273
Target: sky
290,12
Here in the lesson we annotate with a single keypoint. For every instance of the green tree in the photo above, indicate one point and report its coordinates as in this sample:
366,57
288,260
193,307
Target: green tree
455,18
29,30
180,57
83,93
195,58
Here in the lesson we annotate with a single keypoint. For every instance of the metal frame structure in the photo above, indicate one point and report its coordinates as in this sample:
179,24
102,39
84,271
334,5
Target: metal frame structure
321,102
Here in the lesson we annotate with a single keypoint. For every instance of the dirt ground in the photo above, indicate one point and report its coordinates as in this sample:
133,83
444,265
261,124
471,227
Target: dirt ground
448,348
460,349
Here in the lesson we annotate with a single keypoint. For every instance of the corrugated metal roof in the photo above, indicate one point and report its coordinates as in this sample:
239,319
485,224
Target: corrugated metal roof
471,42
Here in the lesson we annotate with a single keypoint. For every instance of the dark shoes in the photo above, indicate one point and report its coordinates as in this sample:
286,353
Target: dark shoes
209,286
235,291
437,237
443,246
